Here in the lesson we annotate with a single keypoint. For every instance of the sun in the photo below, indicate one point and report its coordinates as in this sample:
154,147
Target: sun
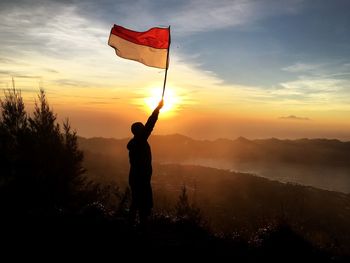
171,100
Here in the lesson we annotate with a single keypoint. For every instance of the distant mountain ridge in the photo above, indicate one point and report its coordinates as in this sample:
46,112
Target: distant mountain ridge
322,163
179,148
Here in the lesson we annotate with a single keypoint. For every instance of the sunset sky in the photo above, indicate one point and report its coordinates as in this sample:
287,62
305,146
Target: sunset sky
257,69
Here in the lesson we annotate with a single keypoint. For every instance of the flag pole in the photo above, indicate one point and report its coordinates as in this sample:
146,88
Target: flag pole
167,65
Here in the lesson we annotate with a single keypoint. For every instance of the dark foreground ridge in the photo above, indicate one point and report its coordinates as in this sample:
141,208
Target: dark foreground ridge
115,238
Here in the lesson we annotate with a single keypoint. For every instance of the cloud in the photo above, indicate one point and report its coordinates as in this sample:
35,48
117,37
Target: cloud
71,82
294,118
192,16
98,102
324,85
6,61
71,36
207,15
51,70
54,29
310,93
26,77
6,72
310,85
23,90
185,16
301,67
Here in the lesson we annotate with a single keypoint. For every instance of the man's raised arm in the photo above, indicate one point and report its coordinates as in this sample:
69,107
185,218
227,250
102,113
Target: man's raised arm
152,120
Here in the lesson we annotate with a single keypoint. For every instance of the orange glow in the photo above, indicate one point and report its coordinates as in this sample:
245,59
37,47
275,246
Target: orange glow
171,100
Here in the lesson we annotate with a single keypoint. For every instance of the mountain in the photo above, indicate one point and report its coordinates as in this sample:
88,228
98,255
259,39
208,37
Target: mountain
321,163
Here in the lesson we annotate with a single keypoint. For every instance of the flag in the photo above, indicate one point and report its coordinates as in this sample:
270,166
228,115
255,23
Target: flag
150,47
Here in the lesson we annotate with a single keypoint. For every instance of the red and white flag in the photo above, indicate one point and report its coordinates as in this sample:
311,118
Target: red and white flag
150,47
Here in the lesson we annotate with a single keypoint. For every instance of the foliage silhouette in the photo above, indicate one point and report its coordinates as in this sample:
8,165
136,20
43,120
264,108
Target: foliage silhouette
185,211
41,164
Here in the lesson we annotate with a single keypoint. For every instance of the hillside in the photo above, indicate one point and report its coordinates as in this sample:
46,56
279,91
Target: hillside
248,218
232,202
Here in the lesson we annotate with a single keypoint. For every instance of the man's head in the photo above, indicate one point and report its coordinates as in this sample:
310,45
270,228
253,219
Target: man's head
137,128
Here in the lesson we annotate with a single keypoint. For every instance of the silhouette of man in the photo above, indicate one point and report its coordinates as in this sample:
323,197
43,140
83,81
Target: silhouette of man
140,159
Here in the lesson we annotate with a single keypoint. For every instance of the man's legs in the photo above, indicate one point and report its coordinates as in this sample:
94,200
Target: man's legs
145,214
133,206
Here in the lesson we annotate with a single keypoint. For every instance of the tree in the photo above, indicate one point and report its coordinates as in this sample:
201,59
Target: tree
13,114
13,135
42,164
184,211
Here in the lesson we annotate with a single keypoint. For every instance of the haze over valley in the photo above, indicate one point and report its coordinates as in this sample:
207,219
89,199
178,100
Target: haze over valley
321,163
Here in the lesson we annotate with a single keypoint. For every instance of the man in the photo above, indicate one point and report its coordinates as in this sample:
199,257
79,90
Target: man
140,159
